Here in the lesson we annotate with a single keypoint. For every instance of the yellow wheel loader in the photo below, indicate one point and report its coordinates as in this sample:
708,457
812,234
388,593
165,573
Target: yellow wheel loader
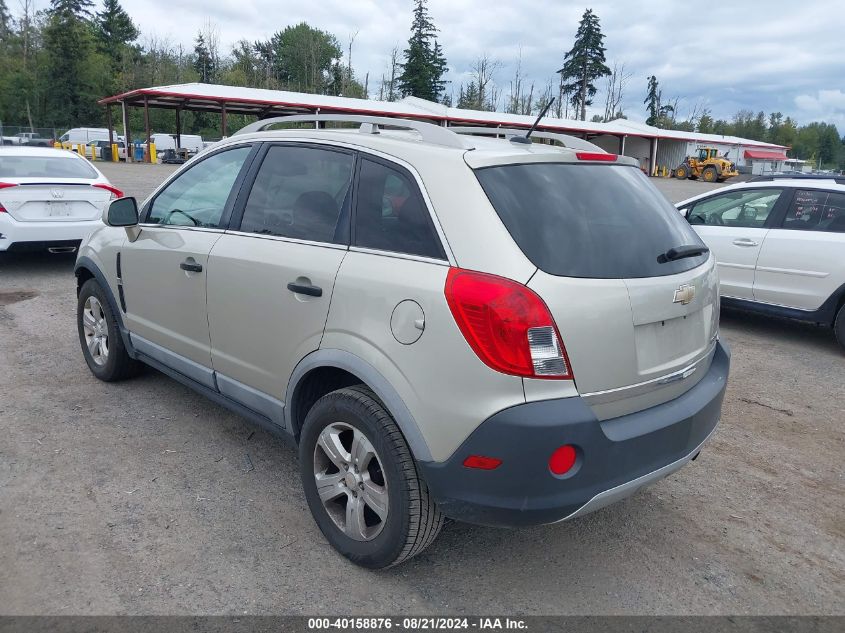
707,165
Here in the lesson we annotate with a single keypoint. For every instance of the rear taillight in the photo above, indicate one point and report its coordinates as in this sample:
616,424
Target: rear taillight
114,191
5,185
508,326
610,158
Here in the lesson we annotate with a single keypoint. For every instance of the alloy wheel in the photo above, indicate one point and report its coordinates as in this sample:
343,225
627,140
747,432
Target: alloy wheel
350,481
96,330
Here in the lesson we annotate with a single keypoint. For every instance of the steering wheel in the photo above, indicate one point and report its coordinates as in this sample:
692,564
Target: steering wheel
715,220
166,219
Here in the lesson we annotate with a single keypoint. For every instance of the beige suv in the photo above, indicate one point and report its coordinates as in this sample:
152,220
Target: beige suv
494,330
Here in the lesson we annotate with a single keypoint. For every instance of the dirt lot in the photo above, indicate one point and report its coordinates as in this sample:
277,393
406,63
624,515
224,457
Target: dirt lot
143,497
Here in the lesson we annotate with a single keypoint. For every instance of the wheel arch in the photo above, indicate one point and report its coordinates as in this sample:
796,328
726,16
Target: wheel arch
324,371
85,269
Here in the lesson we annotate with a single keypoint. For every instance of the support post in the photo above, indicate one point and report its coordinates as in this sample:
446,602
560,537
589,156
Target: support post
126,134
148,154
224,128
653,166
622,145
110,126
178,127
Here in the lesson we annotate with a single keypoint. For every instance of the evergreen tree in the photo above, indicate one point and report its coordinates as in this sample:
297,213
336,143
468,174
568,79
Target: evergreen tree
425,64
115,32
584,64
5,20
70,69
204,62
652,101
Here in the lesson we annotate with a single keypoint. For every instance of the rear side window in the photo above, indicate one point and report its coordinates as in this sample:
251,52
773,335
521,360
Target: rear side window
586,220
816,210
45,167
391,214
299,193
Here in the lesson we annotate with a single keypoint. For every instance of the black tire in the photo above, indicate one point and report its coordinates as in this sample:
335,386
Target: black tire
682,172
839,326
413,520
710,174
118,365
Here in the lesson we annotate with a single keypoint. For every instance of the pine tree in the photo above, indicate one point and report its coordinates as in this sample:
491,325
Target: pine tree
652,101
69,72
425,64
203,61
584,63
115,31
5,20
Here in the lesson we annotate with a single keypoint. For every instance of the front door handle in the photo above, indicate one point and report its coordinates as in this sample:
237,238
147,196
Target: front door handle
744,241
191,266
305,289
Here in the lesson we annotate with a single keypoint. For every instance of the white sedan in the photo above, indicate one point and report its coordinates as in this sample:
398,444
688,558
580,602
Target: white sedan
779,243
49,199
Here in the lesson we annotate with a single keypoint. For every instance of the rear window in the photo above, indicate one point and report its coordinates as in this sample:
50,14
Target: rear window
44,167
586,220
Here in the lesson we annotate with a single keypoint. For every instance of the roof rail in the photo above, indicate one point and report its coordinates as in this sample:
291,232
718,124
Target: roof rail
430,133
572,142
840,180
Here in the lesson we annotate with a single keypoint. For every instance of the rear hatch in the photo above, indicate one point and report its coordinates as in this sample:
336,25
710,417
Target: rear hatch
39,187
638,322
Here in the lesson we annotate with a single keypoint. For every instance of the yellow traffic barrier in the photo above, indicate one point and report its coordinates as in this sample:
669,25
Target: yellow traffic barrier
153,157
80,149
57,145
115,155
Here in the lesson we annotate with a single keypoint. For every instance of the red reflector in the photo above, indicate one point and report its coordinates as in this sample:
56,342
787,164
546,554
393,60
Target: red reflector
113,190
482,463
6,185
562,460
610,158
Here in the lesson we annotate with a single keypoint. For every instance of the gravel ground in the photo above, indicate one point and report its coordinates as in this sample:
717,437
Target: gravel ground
144,498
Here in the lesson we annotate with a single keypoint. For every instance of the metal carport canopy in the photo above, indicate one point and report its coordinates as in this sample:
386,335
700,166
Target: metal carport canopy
262,103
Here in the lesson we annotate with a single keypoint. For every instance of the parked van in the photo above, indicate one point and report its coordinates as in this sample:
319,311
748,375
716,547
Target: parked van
163,142
83,135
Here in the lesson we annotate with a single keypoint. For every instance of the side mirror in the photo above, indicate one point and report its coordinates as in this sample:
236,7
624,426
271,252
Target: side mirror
121,212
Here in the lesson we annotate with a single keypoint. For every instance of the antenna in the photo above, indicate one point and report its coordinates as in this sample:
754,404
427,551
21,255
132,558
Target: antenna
527,137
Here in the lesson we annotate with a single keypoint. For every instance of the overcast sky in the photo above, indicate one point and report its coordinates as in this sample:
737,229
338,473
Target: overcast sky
775,55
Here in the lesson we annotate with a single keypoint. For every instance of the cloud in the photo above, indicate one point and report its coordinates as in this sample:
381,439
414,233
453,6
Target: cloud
776,56
825,105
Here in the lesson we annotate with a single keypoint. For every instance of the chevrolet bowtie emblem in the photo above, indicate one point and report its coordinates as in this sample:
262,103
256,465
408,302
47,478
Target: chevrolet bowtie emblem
684,294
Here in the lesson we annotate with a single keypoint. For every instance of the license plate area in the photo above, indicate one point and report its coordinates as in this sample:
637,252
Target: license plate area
668,344
58,209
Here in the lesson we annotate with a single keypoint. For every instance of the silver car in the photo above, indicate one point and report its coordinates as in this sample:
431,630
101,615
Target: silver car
493,330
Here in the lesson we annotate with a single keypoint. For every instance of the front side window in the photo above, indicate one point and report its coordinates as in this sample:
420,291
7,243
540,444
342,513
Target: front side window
391,215
744,208
197,197
816,210
299,193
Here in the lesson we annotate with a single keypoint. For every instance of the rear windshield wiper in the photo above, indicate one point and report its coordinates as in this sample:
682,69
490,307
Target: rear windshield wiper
680,252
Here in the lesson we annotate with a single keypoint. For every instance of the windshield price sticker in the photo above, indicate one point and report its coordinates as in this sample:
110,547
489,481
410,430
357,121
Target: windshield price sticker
417,623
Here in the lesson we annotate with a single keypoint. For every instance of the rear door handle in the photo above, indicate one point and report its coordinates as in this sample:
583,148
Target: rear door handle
305,289
191,266
744,241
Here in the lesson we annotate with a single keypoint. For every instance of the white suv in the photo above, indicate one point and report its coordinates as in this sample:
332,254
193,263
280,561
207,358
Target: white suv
501,332
779,242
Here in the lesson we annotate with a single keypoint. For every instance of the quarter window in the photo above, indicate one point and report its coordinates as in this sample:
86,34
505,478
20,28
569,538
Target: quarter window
198,196
744,208
391,214
816,210
299,192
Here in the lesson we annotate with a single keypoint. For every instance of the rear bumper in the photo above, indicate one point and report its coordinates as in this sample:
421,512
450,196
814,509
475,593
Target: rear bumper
615,457
16,235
